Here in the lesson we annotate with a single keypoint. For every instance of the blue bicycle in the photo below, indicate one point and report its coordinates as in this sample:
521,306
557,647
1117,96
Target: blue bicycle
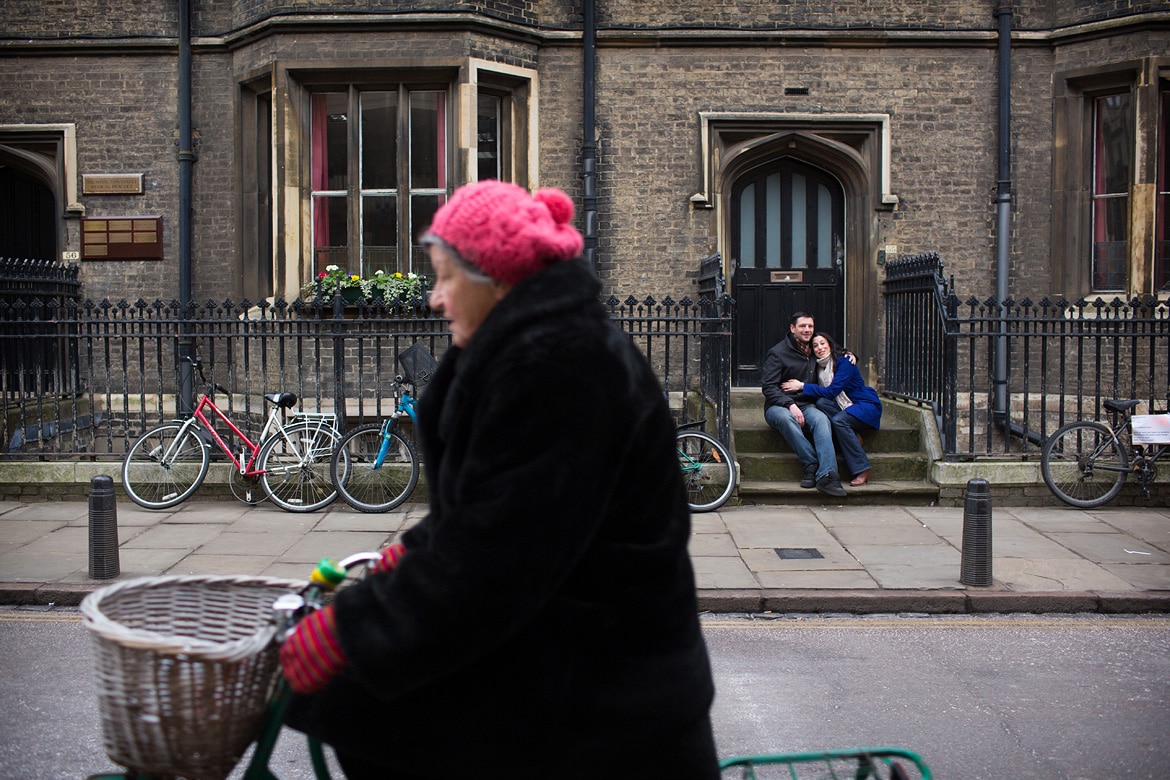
374,467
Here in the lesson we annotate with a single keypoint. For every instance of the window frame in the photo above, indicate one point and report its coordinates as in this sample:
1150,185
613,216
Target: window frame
1072,237
785,169
293,82
516,90
408,256
1104,198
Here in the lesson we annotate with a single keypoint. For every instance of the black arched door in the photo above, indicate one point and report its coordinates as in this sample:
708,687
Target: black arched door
28,223
787,253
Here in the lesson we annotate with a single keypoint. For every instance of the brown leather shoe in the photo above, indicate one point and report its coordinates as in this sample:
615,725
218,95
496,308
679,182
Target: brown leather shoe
860,479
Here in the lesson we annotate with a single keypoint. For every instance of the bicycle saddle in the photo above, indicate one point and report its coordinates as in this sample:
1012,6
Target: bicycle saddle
286,400
1120,406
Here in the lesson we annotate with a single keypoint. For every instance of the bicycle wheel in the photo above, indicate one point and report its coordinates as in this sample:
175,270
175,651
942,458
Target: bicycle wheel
361,482
1083,464
295,467
708,470
164,468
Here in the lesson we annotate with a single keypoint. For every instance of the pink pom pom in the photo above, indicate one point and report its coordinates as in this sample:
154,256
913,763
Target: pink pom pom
559,205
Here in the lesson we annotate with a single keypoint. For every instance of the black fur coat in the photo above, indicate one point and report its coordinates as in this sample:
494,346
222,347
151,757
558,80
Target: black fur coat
543,621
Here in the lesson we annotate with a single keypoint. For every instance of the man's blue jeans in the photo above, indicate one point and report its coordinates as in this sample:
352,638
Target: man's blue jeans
820,451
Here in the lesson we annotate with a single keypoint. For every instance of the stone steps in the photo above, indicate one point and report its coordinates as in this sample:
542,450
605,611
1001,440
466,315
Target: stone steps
770,472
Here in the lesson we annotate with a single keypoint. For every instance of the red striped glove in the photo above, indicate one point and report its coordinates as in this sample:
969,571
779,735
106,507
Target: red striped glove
391,557
311,655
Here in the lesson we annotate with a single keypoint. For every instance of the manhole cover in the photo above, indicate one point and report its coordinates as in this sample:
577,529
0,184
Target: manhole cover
797,553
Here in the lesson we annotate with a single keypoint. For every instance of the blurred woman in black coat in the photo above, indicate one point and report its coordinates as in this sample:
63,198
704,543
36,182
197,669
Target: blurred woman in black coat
542,618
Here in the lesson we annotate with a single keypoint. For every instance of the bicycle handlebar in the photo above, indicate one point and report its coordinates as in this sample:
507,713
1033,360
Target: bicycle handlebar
197,363
359,558
326,576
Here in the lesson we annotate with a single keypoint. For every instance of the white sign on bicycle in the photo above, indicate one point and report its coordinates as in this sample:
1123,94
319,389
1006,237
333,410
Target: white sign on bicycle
1151,428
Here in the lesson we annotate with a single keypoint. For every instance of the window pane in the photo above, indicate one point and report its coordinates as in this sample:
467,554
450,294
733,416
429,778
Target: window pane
330,232
1162,207
330,152
379,234
1112,157
422,211
1109,244
747,227
379,140
1114,144
773,221
824,227
488,133
799,221
428,140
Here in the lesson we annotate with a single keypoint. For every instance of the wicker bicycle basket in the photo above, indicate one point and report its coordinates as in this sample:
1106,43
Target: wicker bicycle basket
185,666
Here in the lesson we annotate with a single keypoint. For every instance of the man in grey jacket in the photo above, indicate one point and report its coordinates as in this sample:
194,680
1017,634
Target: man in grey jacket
792,358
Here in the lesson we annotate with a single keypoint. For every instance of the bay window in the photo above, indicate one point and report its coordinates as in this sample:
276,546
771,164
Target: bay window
378,172
1110,194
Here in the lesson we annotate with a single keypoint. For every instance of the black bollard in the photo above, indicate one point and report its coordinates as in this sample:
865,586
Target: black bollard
977,534
103,529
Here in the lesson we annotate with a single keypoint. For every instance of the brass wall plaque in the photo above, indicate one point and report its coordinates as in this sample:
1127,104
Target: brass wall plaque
111,184
121,238
780,277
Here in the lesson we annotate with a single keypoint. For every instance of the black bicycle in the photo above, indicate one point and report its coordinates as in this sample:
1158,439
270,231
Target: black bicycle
1085,463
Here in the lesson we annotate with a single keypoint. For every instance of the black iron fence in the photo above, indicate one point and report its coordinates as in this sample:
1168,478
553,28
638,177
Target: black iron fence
1003,375
123,360
26,283
715,307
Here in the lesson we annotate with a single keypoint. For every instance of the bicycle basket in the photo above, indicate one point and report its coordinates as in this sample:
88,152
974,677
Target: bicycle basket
417,364
184,668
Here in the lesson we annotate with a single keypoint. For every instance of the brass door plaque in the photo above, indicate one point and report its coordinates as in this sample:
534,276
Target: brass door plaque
111,184
120,238
792,277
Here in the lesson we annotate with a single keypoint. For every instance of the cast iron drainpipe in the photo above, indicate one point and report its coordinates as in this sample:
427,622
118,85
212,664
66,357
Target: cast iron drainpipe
186,156
1003,200
588,125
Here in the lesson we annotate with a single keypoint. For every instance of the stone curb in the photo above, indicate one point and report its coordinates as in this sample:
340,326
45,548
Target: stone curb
935,602
40,594
860,602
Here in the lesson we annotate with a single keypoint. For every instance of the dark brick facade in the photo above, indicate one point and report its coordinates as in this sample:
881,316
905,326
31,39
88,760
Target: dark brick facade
928,68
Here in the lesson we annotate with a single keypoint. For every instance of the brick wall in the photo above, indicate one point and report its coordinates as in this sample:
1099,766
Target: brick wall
124,110
659,65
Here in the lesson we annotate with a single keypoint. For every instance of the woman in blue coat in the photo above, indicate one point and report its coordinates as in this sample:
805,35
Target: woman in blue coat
842,394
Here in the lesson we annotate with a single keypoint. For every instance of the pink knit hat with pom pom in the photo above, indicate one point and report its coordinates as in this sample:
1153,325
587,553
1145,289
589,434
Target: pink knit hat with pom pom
507,233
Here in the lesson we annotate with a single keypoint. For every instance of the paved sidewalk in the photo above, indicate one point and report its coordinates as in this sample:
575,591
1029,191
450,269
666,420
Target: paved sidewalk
850,557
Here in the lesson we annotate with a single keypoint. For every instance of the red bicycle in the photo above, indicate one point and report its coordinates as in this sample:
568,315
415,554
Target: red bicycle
290,462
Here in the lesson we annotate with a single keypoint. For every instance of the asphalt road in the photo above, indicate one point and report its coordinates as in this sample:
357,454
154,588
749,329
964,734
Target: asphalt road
1013,696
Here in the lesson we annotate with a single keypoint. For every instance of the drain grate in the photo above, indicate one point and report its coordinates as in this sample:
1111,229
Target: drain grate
797,553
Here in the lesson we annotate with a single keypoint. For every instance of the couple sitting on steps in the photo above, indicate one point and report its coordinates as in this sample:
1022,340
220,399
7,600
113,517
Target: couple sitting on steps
811,385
